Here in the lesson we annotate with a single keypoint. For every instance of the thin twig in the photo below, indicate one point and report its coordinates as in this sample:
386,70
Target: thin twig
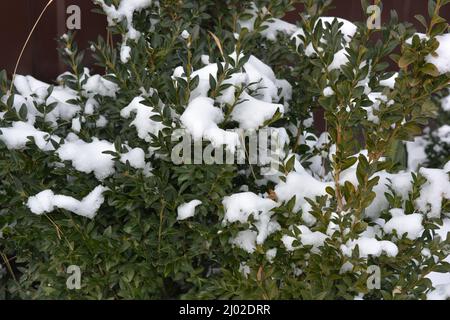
26,43
8,265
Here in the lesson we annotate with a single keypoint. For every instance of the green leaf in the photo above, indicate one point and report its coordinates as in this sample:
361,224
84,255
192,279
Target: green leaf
422,20
430,69
406,59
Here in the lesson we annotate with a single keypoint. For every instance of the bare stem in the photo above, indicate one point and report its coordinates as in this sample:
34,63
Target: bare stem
26,43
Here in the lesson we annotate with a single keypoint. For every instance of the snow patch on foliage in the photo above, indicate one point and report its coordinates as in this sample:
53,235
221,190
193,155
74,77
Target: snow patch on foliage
33,90
125,11
432,192
441,292
201,118
441,57
347,29
409,224
250,111
187,210
301,185
389,82
416,152
16,136
307,237
272,27
135,157
370,247
142,121
46,201
96,84
240,206
89,157
246,240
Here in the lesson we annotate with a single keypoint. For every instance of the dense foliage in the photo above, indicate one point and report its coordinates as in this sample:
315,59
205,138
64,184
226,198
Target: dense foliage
315,226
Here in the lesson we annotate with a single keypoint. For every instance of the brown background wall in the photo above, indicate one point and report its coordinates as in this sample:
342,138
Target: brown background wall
41,59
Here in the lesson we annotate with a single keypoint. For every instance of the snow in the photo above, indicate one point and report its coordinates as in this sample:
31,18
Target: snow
239,207
125,53
442,292
46,201
443,134
142,122
16,137
201,118
302,185
328,92
96,84
436,188
346,267
245,240
410,224
416,152
390,82
276,26
370,246
88,157
90,106
288,242
271,254
442,60
441,57
205,59
439,279
340,59
273,26
33,90
19,101
76,124
187,210
377,99
135,157
432,192
244,269
445,104
347,29
203,74
380,202
125,11
185,34
314,239
252,113
101,122
263,78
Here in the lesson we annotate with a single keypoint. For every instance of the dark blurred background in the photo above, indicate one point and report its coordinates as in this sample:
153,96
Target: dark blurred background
41,59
